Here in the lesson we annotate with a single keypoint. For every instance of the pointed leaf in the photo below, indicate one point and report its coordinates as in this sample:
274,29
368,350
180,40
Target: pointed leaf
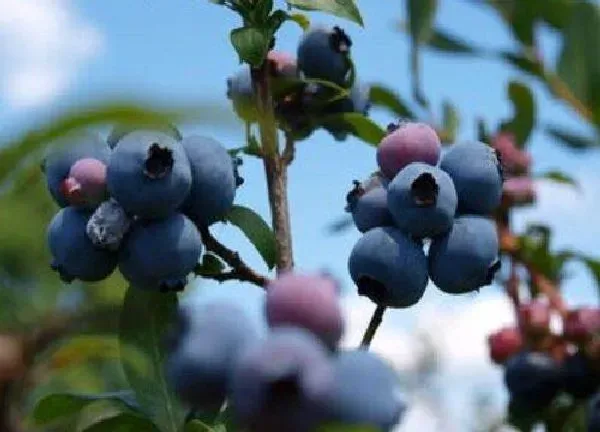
198,426
383,96
61,406
343,223
524,109
342,8
572,139
523,63
559,177
122,423
211,265
144,321
444,42
360,126
450,122
257,231
593,266
301,19
251,44
421,16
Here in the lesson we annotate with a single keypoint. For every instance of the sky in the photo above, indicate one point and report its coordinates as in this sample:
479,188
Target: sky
64,53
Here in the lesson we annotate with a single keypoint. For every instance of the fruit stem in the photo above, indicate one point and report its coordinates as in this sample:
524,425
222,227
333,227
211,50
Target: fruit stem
374,324
275,169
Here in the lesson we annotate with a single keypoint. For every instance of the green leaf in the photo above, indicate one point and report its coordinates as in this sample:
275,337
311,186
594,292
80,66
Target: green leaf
301,19
559,177
211,265
579,63
198,426
346,428
360,126
122,423
144,322
383,96
421,16
593,266
524,63
444,42
524,109
341,224
342,8
450,121
60,406
571,139
251,44
257,231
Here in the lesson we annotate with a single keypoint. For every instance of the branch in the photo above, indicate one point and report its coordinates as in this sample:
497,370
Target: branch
509,244
374,324
240,270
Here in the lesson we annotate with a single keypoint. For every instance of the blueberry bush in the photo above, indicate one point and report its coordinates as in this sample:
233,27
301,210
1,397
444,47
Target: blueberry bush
132,212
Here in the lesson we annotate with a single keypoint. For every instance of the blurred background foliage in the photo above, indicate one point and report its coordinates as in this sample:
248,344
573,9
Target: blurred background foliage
57,337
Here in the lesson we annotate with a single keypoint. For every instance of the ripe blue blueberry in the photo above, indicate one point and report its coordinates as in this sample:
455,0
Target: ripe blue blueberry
120,130
477,175
64,153
310,301
364,393
422,200
593,414
276,383
149,174
74,256
323,54
200,363
241,94
533,379
213,180
580,379
389,268
159,254
466,258
367,202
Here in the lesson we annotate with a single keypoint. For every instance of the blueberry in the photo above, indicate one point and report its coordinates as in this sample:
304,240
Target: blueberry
86,184
200,365
365,393
120,130
241,94
580,324
323,54
108,225
466,258
367,202
158,255
213,180
422,200
504,343
534,318
593,414
580,379
63,154
276,384
309,301
74,254
284,64
406,143
533,379
149,174
389,268
477,175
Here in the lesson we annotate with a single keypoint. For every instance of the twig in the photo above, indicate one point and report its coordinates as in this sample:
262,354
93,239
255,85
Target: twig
509,244
374,324
275,169
240,270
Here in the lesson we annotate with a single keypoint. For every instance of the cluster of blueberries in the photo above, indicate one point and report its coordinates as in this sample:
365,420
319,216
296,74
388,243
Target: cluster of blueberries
306,89
137,200
293,378
418,195
540,365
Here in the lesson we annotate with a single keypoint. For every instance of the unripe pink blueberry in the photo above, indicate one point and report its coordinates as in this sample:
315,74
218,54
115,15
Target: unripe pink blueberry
285,63
310,301
519,190
580,324
407,143
534,318
514,160
504,343
86,183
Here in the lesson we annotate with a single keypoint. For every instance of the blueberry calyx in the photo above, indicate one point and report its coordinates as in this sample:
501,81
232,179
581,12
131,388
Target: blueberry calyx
339,40
71,190
353,196
491,273
425,190
159,162
372,289
285,388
